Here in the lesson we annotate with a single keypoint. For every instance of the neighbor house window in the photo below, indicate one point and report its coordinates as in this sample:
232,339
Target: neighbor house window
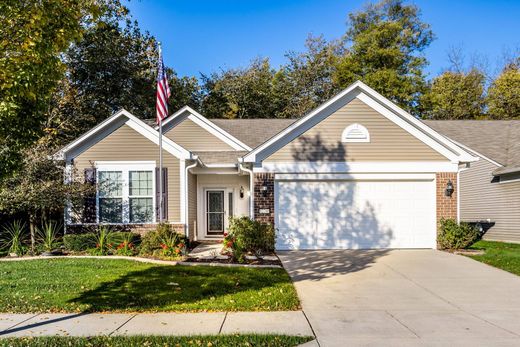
126,193
355,133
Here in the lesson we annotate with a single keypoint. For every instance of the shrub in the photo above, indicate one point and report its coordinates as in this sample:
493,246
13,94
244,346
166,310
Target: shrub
103,240
163,241
48,236
247,235
14,238
79,242
456,236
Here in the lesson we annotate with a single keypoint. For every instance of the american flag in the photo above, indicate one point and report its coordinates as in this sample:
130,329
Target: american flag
163,92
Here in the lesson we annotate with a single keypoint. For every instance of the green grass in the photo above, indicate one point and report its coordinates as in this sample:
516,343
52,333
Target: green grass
112,285
503,255
192,341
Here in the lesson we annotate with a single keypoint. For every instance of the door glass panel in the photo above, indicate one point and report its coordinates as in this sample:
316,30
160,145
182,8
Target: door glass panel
230,203
215,211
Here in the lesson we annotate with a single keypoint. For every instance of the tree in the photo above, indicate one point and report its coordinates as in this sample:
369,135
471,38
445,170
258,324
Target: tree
39,188
306,80
455,95
240,93
386,40
504,94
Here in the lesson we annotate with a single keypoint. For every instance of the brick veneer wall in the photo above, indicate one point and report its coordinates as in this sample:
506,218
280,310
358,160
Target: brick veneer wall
446,206
136,228
262,202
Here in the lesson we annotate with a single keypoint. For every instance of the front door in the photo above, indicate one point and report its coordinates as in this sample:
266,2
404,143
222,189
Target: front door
215,213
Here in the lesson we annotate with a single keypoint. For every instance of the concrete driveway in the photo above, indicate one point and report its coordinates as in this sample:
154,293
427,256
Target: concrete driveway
405,298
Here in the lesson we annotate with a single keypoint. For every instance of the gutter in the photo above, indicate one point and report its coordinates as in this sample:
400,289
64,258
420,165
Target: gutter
186,208
251,188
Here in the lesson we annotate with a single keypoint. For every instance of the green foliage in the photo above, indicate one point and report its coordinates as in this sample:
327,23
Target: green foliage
503,255
504,94
455,95
79,242
103,239
125,243
456,236
386,40
247,235
33,36
179,341
163,241
48,236
13,238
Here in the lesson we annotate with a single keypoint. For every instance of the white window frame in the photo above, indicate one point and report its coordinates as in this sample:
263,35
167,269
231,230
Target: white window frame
355,126
125,168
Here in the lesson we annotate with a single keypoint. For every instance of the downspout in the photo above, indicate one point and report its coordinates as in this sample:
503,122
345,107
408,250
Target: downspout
251,189
186,204
458,190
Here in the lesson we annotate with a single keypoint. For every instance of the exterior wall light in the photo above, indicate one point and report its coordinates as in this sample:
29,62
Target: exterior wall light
264,188
241,192
449,189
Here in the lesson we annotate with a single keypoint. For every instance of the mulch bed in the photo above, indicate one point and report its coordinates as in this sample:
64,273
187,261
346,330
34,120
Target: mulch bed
231,261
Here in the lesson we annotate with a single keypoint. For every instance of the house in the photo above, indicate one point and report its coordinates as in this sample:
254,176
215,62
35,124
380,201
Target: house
489,188
356,172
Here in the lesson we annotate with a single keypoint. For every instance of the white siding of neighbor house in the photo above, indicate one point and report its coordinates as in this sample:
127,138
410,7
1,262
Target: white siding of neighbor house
481,199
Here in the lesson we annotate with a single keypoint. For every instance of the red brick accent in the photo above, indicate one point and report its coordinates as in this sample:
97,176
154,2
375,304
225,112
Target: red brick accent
136,228
262,202
446,205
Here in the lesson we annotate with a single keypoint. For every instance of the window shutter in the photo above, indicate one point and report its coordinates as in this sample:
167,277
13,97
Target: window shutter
165,193
89,205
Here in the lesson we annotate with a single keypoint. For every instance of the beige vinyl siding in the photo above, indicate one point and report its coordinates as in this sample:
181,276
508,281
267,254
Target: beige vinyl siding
192,204
481,199
194,138
388,141
126,144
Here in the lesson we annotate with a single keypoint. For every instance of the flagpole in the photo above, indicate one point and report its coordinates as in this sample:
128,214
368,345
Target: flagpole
160,163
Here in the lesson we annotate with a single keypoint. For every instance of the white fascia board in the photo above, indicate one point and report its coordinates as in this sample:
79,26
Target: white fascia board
448,148
357,176
209,126
359,167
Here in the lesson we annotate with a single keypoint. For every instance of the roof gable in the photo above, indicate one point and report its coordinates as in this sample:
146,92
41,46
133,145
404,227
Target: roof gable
380,104
110,125
188,113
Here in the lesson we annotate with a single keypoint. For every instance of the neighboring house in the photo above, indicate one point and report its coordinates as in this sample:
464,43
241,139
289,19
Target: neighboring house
356,172
489,188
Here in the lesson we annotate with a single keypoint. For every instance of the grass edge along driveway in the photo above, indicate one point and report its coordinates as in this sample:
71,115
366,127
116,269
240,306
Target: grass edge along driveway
113,285
131,341
502,255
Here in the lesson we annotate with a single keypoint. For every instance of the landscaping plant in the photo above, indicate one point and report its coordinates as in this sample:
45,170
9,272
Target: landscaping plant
13,238
103,242
248,236
456,236
126,246
79,242
163,242
48,236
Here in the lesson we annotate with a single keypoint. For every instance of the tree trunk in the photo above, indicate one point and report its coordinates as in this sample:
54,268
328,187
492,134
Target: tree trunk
32,229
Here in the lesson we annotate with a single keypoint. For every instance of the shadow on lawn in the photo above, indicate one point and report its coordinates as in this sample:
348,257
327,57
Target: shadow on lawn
164,288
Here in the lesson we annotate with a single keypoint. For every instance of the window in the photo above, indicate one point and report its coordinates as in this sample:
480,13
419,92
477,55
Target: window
355,133
126,193
141,197
110,197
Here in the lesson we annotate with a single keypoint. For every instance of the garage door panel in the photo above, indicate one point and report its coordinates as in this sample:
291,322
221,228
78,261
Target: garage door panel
355,214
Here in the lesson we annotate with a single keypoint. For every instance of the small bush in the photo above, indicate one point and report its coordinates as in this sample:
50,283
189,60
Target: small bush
48,236
247,235
456,236
163,241
125,243
79,242
14,238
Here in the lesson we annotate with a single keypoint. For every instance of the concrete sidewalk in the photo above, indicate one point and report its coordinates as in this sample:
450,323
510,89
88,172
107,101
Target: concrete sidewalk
289,323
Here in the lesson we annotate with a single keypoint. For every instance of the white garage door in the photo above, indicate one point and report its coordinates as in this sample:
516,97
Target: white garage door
355,214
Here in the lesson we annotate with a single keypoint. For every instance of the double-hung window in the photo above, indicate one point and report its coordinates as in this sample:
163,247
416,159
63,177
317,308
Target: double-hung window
126,192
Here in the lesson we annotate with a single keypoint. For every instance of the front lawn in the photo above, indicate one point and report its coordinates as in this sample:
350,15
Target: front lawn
138,341
503,255
112,285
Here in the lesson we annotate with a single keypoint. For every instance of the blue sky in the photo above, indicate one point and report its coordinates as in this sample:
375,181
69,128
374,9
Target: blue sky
202,36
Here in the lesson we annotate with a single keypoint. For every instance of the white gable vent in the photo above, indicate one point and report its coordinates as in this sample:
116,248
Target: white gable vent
355,133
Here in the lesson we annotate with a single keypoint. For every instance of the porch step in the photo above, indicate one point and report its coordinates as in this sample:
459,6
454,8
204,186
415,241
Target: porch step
206,250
